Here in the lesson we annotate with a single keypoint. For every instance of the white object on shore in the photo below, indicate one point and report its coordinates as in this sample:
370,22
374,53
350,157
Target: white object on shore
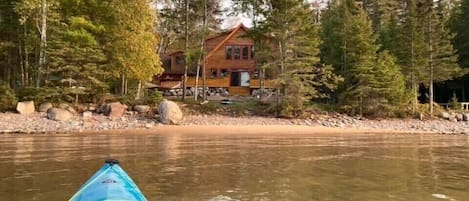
87,114
170,113
26,107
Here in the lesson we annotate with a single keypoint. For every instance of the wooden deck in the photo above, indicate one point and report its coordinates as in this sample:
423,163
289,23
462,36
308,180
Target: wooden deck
255,84
210,82
219,83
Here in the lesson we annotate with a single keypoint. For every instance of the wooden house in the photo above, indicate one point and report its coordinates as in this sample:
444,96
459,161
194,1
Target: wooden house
229,63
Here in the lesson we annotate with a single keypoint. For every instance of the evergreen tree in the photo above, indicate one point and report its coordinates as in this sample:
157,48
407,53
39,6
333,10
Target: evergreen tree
373,82
404,38
460,27
76,59
442,59
294,49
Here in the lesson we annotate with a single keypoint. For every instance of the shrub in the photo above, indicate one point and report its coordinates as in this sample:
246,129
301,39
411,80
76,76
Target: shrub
454,103
44,94
127,99
154,99
7,98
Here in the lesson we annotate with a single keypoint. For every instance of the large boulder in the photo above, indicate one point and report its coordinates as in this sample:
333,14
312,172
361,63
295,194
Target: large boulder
445,115
26,107
115,109
59,114
170,113
459,117
44,107
142,109
67,107
465,116
87,114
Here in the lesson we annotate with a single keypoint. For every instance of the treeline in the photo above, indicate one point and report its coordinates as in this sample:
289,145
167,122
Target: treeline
61,49
367,57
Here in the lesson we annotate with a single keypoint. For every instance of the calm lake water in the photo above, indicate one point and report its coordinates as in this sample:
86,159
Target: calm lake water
242,167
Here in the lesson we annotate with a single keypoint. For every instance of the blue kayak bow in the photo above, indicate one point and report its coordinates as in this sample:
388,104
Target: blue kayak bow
110,183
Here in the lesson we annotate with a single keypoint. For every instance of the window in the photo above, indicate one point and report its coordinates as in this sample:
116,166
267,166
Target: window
237,52
245,52
252,51
224,73
179,59
255,74
229,50
213,72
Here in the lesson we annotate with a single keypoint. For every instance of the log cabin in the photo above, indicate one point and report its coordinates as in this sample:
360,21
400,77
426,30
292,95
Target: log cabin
229,63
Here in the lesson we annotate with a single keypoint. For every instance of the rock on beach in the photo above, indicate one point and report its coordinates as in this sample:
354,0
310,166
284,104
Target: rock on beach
26,107
59,114
170,113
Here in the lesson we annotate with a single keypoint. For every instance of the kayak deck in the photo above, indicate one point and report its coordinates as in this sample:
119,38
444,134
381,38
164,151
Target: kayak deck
110,183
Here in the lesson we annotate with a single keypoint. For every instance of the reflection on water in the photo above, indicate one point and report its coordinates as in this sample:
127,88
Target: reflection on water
237,167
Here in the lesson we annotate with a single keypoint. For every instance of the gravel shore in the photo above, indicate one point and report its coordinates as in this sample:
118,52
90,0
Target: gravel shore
38,123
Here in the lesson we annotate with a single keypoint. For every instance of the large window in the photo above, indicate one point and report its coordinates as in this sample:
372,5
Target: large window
238,52
252,51
180,59
229,50
245,52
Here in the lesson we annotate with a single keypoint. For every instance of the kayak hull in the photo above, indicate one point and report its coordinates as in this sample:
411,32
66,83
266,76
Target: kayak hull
110,183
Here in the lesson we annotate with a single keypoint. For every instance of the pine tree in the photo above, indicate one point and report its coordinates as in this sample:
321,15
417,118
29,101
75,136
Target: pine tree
404,38
373,82
291,52
442,59
460,27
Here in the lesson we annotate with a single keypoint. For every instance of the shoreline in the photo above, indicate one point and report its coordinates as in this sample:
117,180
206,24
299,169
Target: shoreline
37,123
273,130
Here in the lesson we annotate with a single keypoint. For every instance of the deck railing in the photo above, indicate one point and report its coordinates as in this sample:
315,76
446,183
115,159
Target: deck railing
464,105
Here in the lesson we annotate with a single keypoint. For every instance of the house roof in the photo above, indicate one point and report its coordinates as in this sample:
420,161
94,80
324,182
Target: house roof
227,38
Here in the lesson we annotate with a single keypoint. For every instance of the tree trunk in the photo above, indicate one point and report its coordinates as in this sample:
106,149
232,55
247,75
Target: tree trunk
412,74
42,49
20,54
186,48
122,83
202,52
26,57
430,43
139,90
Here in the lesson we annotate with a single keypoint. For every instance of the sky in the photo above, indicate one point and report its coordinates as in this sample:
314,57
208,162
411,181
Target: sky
232,21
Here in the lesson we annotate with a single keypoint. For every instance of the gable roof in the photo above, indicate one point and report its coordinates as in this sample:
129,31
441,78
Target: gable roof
226,39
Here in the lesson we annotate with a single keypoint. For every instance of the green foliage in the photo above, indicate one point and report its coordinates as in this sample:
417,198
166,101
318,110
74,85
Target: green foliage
154,99
454,103
7,98
459,24
133,40
374,85
293,54
127,99
41,95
